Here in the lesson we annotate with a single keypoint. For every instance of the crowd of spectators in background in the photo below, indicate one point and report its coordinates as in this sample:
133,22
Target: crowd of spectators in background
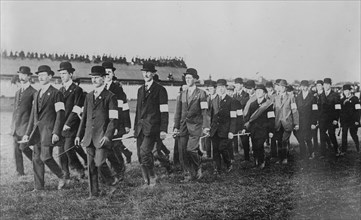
161,62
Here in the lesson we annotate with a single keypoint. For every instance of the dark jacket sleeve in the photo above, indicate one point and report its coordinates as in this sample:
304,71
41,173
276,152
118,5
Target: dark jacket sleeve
205,112
271,120
163,100
60,114
31,119
81,129
125,112
178,110
112,106
73,118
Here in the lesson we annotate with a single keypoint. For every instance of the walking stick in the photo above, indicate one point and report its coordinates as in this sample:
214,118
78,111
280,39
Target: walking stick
59,155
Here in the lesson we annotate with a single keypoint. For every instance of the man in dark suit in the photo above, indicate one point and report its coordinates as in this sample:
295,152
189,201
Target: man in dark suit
329,115
223,126
191,121
271,94
24,98
151,121
97,128
123,125
260,122
73,100
44,129
307,109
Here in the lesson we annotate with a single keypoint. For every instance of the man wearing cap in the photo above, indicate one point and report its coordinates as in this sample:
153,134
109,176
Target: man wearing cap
329,116
349,117
241,97
250,89
307,108
97,128
271,92
151,121
123,126
271,95
191,121
277,87
44,129
22,108
73,101
286,120
223,126
260,122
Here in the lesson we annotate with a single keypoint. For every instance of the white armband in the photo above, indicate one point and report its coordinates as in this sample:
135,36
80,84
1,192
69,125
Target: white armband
293,106
59,106
204,105
113,114
163,108
239,112
125,107
357,106
271,114
338,106
233,114
77,109
120,103
314,107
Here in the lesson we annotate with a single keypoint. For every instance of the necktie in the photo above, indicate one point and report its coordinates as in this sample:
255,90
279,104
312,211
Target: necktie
96,93
281,98
146,87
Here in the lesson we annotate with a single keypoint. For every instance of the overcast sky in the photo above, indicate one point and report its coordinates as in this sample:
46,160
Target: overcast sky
291,40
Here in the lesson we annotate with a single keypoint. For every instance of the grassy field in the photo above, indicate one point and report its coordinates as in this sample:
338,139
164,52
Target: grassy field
317,189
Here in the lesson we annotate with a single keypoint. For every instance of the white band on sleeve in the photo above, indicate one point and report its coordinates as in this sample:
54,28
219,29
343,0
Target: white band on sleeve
59,106
77,109
314,107
125,107
113,114
338,106
204,105
239,112
358,106
271,114
233,114
120,103
293,106
163,108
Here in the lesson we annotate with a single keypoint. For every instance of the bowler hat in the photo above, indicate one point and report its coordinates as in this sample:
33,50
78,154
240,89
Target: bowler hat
289,88
319,82
327,80
149,67
97,71
238,80
193,72
66,66
277,81
25,70
250,84
269,84
346,87
261,86
283,82
221,82
45,68
108,65
304,83
210,83
230,87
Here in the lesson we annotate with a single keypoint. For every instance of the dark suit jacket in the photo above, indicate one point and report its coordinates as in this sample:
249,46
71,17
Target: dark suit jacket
47,118
307,113
73,101
241,101
149,118
350,111
328,104
98,119
191,115
264,124
123,108
223,121
22,111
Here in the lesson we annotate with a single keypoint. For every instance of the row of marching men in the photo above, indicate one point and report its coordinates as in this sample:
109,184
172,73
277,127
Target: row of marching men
269,114
51,117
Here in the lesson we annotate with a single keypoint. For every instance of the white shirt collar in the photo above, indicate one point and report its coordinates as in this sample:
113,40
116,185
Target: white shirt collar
304,94
191,89
67,84
149,84
25,85
213,96
223,96
99,89
45,87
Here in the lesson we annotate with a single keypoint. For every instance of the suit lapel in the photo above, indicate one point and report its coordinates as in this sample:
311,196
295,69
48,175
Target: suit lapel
147,93
193,97
69,91
100,97
45,97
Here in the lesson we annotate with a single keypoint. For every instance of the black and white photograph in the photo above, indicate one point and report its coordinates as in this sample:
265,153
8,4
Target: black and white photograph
180,109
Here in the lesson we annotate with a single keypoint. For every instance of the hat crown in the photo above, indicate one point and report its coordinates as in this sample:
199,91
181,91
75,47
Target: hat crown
283,82
269,84
222,82
149,67
193,72
66,66
327,80
238,80
25,70
250,84
44,68
108,65
304,83
346,87
97,71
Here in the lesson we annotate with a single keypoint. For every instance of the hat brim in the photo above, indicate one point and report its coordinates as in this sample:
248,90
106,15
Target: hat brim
147,70
29,73
193,75
98,74
71,69
50,72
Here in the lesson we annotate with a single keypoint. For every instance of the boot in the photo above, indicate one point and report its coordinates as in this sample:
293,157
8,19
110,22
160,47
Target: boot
145,175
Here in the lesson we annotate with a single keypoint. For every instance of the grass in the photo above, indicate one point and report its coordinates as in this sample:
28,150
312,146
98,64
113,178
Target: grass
317,189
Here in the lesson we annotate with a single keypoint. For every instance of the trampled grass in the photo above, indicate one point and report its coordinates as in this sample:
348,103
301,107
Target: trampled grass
319,189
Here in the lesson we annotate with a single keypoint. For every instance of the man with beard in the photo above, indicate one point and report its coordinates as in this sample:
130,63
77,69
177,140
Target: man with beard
307,109
151,121
191,121
22,108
